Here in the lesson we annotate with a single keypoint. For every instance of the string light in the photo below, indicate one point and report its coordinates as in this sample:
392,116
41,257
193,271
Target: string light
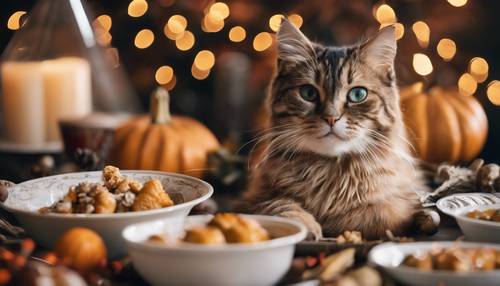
399,29
457,3
144,39
422,64
296,19
186,42
14,22
446,49
385,14
219,8
478,68
493,92
199,74
137,8
275,22
422,32
104,21
204,60
466,84
262,41
164,74
237,34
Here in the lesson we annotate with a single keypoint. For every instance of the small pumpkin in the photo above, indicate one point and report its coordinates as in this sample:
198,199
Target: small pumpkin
443,125
164,142
81,249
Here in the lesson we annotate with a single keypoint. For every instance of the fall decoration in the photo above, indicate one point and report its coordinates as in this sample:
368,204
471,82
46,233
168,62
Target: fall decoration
444,125
164,142
81,249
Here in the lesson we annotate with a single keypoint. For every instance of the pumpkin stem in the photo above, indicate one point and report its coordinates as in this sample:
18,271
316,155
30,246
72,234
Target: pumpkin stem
160,106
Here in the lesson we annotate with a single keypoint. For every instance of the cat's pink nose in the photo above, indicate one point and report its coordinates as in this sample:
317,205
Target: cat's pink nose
330,120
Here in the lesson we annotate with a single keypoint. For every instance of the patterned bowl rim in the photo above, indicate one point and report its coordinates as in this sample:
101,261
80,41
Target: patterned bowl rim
206,188
467,202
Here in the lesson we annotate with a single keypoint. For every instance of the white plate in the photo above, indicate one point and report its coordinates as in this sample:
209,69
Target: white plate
27,198
389,257
459,205
263,263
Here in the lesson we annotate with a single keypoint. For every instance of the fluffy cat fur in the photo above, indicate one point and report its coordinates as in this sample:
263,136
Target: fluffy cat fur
330,163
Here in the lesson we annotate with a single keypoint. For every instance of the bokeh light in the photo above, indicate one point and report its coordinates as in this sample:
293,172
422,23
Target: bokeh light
385,14
493,92
422,64
204,60
237,34
422,32
199,74
262,41
104,21
164,74
144,39
171,84
219,8
186,42
399,29
212,22
446,49
137,8
296,20
177,24
275,22
478,68
457,3
467,85
14,22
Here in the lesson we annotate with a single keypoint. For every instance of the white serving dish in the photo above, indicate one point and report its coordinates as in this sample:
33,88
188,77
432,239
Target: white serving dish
263,263
389,257
459,205
25,199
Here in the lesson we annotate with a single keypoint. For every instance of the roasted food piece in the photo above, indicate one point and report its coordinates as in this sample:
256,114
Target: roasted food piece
350,237
488,214
420,261
224,221
238,229
152,196
205,235
158,239
105,202
111,176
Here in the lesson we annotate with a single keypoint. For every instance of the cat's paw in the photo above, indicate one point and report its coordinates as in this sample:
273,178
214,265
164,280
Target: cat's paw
314,230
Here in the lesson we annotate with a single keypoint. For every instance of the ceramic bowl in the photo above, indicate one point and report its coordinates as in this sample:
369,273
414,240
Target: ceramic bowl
263,263
389,257
459,205
25,199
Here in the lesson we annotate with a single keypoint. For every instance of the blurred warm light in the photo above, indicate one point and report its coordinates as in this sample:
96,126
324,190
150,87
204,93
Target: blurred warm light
422,32
493,92
144,39
169,34
457,3
212,22
220,9
103,37
237,34
104,21
164,74
171,84
177,24
14,22
137,8
275,22
446,49
204,60
113,56
199,74
296,19
478,68
399,29
466,84
422,64
262,41
385,14
186,42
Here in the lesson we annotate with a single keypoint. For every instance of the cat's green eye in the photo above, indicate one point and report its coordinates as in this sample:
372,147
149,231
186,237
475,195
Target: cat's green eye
357,94
308,92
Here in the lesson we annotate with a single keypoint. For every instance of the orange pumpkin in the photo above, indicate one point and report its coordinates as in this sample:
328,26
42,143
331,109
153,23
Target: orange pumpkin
81,249
163,142
444,125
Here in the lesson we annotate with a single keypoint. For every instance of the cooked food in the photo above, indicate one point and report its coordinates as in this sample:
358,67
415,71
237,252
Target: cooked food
456,259
205,235
488,214
350,237
116,193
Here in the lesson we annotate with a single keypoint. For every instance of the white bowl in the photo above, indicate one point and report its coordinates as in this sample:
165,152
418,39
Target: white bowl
263,263
459,205
389,257
25,199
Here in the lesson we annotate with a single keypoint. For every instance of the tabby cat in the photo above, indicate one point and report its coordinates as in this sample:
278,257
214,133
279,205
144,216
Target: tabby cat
336,156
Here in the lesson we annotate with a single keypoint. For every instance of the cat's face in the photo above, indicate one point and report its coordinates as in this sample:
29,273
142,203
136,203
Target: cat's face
334,101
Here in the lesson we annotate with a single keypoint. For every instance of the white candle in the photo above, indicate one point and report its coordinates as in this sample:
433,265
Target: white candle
23,102
68,92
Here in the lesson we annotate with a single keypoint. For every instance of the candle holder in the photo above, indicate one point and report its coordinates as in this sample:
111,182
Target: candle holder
55,68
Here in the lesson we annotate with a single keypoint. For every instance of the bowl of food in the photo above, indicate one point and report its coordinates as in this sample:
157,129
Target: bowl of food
477,214
439,263
106,202
225,249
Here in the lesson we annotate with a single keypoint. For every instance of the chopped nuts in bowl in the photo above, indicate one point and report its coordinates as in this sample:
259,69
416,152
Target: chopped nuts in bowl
25,200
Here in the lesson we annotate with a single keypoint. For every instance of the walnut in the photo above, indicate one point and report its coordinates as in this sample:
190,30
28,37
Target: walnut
124,201
127,185
63,207
152,196
105,203
205,235
112,176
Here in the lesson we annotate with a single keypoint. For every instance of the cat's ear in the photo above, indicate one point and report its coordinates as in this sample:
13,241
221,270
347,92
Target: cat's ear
293,46
381,49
